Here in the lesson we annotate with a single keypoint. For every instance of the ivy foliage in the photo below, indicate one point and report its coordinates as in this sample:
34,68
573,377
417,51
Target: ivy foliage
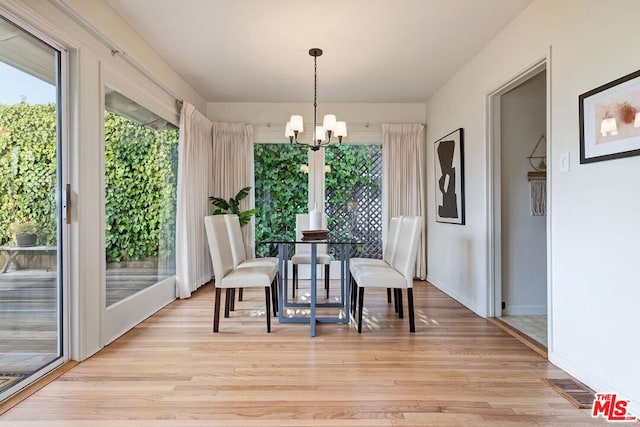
141,167
281,191
140,179
28,170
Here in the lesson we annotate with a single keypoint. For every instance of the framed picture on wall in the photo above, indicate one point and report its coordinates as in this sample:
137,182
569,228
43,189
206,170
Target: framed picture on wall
610,120
449,170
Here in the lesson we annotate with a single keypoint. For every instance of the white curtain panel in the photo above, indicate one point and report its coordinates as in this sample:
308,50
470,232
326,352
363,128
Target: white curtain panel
193,262
232,169
403,179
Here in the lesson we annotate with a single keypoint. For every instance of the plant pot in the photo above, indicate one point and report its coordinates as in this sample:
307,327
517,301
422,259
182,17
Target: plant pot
26,239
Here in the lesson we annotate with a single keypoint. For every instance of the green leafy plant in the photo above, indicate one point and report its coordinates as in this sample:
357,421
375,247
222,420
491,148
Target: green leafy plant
140,174
24,227
232,206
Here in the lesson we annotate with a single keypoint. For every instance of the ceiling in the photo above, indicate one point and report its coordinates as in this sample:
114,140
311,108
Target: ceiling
374,50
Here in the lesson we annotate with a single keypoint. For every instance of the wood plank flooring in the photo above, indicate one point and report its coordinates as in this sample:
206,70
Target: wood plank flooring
171,370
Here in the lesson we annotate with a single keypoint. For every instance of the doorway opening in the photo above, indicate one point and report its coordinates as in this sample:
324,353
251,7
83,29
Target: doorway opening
519,210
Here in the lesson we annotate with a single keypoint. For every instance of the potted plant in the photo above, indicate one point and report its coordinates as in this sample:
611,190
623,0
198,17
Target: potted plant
223,206
25,233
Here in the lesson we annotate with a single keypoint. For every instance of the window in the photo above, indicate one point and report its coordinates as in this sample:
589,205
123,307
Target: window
141,161
353,193
281,191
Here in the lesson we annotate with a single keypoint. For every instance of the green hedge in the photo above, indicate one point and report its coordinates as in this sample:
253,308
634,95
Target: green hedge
28,169
141,174
280,191
140,168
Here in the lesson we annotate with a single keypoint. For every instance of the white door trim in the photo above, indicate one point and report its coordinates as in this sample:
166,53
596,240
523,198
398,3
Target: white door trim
494,250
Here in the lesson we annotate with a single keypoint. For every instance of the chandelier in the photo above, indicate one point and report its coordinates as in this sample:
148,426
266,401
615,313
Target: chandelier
330,127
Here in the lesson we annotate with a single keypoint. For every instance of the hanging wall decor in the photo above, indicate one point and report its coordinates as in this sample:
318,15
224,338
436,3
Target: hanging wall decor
449,174
610,120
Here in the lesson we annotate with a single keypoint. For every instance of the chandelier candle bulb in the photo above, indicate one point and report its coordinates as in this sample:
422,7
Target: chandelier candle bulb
296,123
329,122
320,133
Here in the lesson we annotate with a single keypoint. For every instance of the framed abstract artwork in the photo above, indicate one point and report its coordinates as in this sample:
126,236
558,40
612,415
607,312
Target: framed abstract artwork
610,120
449,169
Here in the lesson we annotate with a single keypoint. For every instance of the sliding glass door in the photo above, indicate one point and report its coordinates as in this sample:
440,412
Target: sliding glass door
140,164
31,285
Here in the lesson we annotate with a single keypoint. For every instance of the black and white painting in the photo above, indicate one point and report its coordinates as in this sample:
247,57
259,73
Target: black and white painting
449,168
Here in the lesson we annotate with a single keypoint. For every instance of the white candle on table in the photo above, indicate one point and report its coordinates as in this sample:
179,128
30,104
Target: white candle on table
315,220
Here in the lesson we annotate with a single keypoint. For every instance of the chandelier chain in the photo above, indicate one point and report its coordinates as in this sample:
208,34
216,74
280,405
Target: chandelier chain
315,96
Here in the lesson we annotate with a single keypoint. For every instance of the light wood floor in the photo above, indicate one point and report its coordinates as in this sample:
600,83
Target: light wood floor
171,370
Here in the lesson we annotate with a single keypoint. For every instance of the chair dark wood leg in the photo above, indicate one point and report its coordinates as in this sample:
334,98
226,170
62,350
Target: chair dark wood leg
395,300
400,305
227,302
294,286
274,296
360,304
240,294
232,300
412,321
388,295
267,303
216,310
354,296
326,278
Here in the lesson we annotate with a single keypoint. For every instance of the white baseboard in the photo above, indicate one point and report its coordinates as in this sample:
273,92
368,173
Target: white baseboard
595,383
525,310
127,313
455,295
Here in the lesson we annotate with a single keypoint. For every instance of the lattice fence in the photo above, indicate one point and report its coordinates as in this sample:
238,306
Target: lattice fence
354,203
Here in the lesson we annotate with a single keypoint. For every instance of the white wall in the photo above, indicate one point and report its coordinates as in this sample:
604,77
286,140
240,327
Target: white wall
363,120
115,30
523,120
594,226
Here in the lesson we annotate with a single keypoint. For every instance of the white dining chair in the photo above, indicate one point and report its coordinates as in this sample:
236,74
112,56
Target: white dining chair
388,254
399,275
303,252
240,260
226,276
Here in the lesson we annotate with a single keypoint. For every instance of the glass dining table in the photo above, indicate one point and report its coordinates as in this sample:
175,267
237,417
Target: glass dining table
305,310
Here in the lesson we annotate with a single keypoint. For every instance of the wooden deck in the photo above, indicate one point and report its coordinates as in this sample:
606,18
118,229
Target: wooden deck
28,320
29,313
171,370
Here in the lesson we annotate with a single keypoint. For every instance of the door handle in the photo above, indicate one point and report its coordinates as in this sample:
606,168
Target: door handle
67,204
